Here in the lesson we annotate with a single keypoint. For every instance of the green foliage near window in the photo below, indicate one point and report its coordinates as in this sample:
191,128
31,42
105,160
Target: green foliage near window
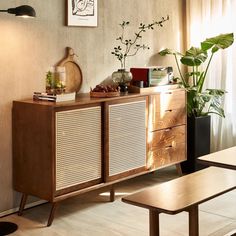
201,102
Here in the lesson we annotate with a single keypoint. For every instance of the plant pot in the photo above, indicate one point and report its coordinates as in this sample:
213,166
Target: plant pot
121,76
198,142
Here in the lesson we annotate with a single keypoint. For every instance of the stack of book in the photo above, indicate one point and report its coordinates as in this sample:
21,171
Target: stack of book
54,97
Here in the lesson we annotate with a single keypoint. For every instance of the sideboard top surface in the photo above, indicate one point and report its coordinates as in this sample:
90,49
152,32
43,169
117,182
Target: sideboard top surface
84,98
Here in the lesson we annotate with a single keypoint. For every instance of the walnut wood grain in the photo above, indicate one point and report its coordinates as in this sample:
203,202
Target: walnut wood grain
179,194
74,77
33,143
183,194
193,220
22,203
34,158
81,99
225,158
52,213
97,186
77,187
112,193
167,129
179,169
167,109
168,100
154,226
167,137
167,155
168,118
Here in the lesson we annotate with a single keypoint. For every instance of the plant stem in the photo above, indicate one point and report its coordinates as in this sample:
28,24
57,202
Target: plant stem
130,44
197,75
123,52
130,55
194,77
181,76
121,64
204,75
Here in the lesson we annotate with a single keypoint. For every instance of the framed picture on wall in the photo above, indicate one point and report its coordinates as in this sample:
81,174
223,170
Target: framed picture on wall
81,13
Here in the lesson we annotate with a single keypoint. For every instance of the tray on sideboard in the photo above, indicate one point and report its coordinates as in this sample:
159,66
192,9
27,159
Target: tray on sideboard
161,88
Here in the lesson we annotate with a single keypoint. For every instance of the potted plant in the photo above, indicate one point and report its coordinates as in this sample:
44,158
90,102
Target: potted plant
129,47
201,101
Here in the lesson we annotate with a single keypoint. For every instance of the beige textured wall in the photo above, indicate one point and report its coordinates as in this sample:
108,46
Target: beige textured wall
29,47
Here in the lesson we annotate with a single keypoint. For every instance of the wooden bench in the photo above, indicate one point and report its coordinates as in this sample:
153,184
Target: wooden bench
183,194
225,158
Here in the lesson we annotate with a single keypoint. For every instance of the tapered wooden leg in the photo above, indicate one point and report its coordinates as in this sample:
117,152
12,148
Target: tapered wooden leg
193,221
22,203
52,212
112,194
179,169
154,228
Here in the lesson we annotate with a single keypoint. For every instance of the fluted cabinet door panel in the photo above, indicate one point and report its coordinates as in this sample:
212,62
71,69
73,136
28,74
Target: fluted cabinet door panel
78,146
127,137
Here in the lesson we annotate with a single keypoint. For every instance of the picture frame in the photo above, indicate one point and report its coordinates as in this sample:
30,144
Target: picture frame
82,13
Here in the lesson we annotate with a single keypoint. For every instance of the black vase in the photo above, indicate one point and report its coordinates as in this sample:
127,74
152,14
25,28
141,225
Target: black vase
198,142
123,87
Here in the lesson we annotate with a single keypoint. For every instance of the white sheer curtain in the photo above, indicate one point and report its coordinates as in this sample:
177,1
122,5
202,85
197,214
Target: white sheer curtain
208,18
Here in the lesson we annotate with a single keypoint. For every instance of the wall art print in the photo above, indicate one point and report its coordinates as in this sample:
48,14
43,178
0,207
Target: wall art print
82,13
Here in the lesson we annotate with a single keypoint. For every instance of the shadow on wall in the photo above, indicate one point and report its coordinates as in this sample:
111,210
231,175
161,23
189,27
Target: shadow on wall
157,60
107,80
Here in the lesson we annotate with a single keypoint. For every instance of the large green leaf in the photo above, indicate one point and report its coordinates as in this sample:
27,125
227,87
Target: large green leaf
194,57
216,92
201,103
221,41
168,51
215,105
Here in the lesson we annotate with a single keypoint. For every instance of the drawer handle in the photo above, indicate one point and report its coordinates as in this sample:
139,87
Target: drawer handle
168,92
168,147
167,130
168,110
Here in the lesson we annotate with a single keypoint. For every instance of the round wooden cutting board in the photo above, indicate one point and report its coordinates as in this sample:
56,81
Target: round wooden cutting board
74,76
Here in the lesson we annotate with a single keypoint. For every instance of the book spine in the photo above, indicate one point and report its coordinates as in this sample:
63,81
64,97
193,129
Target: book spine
45,98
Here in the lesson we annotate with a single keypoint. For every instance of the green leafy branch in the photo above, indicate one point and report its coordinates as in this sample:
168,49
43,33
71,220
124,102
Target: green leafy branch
130,47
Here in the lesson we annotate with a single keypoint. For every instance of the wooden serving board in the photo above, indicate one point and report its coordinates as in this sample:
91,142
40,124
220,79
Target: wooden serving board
74,76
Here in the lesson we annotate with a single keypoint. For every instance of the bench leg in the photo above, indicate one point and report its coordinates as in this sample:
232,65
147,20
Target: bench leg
22,203
154,223
193,221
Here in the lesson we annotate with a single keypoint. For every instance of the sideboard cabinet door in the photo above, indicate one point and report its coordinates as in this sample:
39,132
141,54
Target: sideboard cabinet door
57,148
78,148
125,145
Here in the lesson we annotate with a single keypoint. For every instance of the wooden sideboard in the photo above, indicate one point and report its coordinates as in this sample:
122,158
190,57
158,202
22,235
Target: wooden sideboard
65,149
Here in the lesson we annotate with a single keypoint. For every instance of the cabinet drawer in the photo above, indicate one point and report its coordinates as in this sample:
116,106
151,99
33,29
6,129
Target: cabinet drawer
167,109
168,118
169,100
167,137
166,156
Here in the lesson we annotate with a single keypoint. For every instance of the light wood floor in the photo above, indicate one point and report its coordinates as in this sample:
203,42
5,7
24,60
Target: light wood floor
93,215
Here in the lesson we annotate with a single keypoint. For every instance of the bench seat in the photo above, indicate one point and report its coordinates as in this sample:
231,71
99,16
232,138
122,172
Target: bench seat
183,194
